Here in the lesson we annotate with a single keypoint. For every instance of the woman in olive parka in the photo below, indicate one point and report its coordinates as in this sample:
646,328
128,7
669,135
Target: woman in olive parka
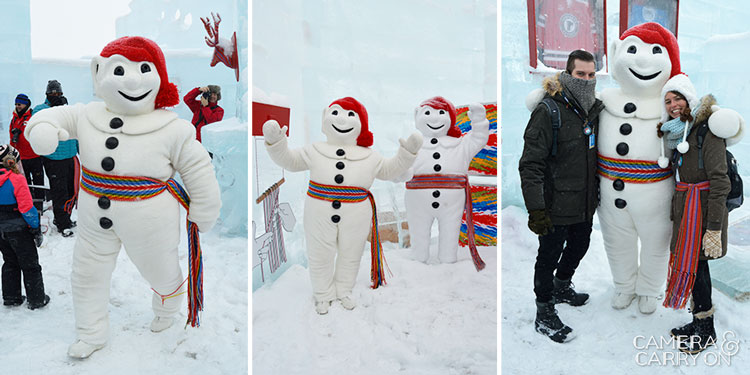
699,212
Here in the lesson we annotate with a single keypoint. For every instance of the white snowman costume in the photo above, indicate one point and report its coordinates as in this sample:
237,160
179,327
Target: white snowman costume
126,136
336,229
443,152
634,209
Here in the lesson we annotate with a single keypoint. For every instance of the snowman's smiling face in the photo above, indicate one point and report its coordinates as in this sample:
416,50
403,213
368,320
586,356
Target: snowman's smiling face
127,87
432,122
641,66
341,126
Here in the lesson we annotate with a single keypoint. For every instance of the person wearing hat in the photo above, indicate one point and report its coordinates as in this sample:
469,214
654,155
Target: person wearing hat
339,208
131,149
30,161
206,109
19,236
61,167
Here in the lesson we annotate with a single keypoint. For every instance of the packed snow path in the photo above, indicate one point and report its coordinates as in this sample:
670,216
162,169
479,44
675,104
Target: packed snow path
429,319
607,340
36,342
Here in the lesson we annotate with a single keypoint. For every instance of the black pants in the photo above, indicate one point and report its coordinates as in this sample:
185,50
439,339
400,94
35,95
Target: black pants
553,256
61,174
20,257
702,288
34,172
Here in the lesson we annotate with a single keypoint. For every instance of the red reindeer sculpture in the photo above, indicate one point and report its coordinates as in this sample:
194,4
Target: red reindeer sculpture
224,50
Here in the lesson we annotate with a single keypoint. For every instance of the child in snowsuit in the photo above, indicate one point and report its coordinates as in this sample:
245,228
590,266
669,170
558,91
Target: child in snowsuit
19,235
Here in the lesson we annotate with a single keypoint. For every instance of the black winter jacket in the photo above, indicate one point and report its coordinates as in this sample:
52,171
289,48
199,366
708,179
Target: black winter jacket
566,185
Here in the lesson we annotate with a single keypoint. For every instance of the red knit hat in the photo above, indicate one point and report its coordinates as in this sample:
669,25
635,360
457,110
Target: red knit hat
351,104
439,102
653,33
136,48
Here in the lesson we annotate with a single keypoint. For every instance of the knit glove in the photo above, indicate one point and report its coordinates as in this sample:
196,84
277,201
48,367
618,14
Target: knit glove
712,243
539,222
273,132
38,237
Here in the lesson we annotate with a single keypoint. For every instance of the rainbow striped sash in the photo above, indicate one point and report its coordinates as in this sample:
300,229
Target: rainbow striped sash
683,261
452,181
126,188
354,194
633,171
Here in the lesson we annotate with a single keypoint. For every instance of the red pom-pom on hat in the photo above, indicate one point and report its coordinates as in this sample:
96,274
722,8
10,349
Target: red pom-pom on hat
350,104
438,102
136,48
654,33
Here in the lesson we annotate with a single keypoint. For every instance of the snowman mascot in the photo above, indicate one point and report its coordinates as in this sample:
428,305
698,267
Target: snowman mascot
439,187
129,141
339,208
636,184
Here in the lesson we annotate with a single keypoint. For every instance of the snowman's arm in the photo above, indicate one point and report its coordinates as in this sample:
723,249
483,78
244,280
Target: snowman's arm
392,168
55,124
476,138
193,164
293,160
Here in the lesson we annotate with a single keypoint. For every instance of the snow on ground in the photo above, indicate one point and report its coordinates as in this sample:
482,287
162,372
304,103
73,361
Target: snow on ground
430,319
36,342
608,341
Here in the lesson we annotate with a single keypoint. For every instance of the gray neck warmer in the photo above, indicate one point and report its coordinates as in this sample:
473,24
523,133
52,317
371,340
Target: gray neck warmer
584,91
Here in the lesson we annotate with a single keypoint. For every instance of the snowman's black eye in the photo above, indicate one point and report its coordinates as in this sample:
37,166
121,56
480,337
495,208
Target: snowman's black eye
335,112
442,112
351,114
656,50
119,71
632,49
145,68
427,113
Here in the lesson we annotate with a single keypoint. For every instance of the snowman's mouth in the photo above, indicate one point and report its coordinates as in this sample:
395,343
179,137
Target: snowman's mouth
642,77
435,127
134,99
342,131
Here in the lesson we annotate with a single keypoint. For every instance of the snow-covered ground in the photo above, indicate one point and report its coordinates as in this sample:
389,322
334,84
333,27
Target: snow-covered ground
430,319
36,342
608,341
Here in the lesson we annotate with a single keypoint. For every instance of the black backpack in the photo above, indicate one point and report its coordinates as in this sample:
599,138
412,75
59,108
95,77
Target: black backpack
554,114
736,197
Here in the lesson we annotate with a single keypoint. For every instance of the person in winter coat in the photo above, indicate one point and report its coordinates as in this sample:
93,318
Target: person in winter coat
206,109
559,186
30,161
19,236
61,167
699,213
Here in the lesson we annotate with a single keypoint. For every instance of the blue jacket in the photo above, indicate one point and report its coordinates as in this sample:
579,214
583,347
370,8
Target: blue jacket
16,203
65,149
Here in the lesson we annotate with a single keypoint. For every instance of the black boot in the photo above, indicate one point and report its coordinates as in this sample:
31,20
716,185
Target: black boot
704,334
40,304
564,293
683,331
548,323
14,301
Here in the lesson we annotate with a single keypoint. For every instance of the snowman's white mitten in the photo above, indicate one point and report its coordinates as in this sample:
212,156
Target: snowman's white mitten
413,143
205,226
44,138
273,132
477,113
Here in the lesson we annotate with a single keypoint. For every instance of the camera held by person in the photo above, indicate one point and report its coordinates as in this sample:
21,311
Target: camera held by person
203,102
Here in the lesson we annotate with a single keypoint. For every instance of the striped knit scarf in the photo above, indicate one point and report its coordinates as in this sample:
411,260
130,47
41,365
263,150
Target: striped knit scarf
125,188
354,194
683,261
452,181
633,171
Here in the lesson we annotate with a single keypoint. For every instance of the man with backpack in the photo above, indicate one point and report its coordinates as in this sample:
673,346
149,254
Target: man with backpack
560,186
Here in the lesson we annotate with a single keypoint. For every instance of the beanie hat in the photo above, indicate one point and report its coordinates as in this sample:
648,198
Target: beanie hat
654,33
351,104
23,99
216,89
679,83
53,87
438,102
136,48
8,155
